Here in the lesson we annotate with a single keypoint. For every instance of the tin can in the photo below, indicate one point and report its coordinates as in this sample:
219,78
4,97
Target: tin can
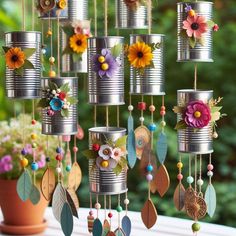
106,182
26,86
77,10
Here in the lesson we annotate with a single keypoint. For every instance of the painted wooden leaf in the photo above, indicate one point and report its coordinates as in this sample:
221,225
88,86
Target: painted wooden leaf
110,234
48,183
74,197
90,220
132,157
149,214
210,198
106,227
34,195
71,204
161,148
119,232
126,225
58,201
24,186
162,180
130,123
97,228
66,219
142,137
75,175
179,197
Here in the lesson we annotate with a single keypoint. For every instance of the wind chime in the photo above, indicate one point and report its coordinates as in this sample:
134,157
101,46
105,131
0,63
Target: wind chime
197,112
146,57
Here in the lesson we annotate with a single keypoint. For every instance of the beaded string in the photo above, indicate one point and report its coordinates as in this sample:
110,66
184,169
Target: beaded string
58,46
105,207
119,209
107,116
142,118
200,181
118,116
180,166
33,15
210,167
149,8
97,205
23,14
109,205
195,174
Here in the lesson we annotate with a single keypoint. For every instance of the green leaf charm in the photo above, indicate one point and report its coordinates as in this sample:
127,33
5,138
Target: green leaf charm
121,142
65,88
24,186
29,52
181,125
34,195
210,198
43,102
97,228
116,50
72,100
65,112
90,154
28,65
66,220
5,49
19,71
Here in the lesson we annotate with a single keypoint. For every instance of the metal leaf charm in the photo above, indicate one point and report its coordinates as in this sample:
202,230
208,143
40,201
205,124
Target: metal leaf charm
130,123
149,214
75,175
162,147
210,198
34,195
97,228
106,227
119,232
48,183
142,137
24,186
126,225
132,157
58,201
162,180
74,197
179,197
90,220
110,234
66,220
72,204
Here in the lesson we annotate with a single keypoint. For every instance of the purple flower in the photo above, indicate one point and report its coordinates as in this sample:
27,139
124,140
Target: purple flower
6,164
105,64
197,114
6,159
187,8
29,149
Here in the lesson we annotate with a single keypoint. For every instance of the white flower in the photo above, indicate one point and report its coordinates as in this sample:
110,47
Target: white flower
116,154
54,91
58,90
106,165
68,103
105,152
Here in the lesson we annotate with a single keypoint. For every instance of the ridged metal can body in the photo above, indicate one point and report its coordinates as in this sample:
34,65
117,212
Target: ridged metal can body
199,53
27,86
77,10
109,91
127,18
106,182
57,124
152,81
189,140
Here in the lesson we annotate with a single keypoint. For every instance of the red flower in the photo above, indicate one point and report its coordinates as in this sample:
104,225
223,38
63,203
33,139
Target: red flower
216,27
96,147
62,95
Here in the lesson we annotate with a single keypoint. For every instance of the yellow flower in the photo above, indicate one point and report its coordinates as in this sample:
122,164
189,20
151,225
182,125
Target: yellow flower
140,55
15,58
78,43
62,4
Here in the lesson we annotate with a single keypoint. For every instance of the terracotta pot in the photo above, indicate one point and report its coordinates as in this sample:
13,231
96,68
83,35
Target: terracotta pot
20,218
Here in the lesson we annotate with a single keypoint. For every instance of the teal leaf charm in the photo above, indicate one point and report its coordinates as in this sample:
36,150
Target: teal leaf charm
34,195
126,225
161,149
210,198
119,232
97,228
131,147
24,186
66,220
130,123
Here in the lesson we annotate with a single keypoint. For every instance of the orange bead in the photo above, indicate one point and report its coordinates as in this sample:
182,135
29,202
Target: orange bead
163,108
152,108
52,74
191,13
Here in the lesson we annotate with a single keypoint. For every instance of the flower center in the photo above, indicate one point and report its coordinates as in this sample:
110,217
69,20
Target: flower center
194,26
14,58
101,59
139,54
116,154
106,151
79,42
105,66
104,164
197,114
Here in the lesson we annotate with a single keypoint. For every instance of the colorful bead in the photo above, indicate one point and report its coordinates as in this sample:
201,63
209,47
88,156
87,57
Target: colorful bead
34,145
51,60
152,108
97,206
68,168
163,123
209,173
163,108
33,122
75,149
119,209
180,165
58,150
110,215
34,166
196,227
96,147
43,51
58,157
142,106
215,135
24,162
33,136
91,213
130,107
58,170
24,152
104,164
149,177
49,33
141,119
66,138
162,113
47,159
190,179
210,167
126,201
179,176
52,74
152,127
149,168
191,13
104,66
200,182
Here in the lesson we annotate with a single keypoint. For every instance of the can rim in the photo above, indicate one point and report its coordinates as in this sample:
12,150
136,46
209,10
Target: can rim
194,91
17,32
163,35
107,130
206,2
58,78
106,37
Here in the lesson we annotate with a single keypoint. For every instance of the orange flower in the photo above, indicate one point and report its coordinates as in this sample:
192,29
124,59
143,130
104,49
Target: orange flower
15,58
78,43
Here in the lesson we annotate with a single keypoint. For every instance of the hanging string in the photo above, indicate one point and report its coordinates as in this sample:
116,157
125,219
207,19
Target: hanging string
97,202
90,201
58,46
75,153
107,116
118,212
33,110
14,105
109,205
23,14
95,18
105,17
210,164
105,206
190,168
47,148
126,205
95,115
142,98
33,15
23,125
149,8
200,173
118,116
195,77
195,173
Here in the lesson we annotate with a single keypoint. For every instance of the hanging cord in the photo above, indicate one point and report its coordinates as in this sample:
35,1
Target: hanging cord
58,46
23,126
95,18
33,15
75,153
149,8
142,98
210,164
195,77
97,203
90,201
95,115
105,17
195,173
105,206
200,173
109,205
107,116
23,14
118,116
190,168
118,212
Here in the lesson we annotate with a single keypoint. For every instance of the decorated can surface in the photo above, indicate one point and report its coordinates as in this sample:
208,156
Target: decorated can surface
24,85
56,124
131,17
105,87
200,53
152,80
77,10
100,181
191,140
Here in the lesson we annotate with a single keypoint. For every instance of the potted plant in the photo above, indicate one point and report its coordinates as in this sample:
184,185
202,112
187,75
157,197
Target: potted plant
22,218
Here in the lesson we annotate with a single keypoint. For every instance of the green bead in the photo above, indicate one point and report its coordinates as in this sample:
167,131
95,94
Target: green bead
196,227
119,209
34,145
190,179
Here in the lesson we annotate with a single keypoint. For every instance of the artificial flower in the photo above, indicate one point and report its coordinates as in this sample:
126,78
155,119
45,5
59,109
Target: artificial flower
50,112
116,154
140,55
197,114
46,5
78,43
62,4
15,58
105,152
195,26
96,147
106,165
81,27
62,95
56,104
187,8
215,27
134,4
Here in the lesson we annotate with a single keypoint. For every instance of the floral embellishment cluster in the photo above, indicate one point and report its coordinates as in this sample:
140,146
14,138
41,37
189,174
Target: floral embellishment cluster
17,59
57,100
109,156
197,114
78,33
134,4
45,6
195,26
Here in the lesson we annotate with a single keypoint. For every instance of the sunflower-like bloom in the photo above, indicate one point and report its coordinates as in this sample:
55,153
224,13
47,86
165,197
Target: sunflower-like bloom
78,43
15,58
140,55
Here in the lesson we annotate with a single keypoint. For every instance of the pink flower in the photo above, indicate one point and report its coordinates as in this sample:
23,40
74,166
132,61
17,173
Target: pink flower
197,114
195,26
116,154
215,27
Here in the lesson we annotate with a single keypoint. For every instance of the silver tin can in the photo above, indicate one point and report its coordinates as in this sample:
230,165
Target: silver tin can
127,18
26,86
190,141
152,82
57,124
106,182
77,10
199,53
105,91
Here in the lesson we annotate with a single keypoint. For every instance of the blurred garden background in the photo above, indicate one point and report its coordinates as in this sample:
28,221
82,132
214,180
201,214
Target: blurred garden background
219,76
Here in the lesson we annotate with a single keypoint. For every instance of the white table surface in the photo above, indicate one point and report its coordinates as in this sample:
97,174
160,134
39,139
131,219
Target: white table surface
165,226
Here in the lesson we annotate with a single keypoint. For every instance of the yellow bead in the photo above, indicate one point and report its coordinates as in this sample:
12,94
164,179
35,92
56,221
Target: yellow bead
24,162
62,4
52,73
101,59
104,164
105,66
180,165
197,114
191,13
49,33
33,136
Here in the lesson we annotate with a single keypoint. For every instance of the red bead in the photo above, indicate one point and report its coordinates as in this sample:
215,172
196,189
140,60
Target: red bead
58,157
179,176
110,215
162,112
33,122
75,149
210,167
96,147
163,108
142,106
91,213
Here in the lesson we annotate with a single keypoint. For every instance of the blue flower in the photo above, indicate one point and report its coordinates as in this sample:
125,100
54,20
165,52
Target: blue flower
56,104
187,8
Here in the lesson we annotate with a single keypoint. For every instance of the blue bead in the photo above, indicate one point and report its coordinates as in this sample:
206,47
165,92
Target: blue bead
190,179
23,152
152,127
59,150
149,168
68,168
34,166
